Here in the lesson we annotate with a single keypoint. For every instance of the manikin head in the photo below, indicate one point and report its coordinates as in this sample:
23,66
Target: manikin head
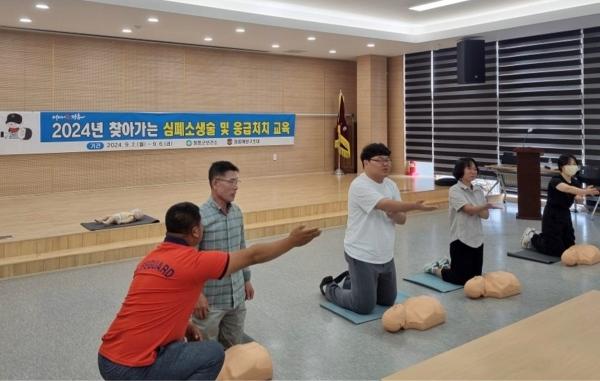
394,318
224,179
249,361
475,287
581,254
419,312
495,284
183,220
137,213
376,161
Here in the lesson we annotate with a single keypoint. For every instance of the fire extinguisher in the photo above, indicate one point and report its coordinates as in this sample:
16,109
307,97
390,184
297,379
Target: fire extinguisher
411,168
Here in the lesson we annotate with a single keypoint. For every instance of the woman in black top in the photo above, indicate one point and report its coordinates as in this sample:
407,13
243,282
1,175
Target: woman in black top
557,229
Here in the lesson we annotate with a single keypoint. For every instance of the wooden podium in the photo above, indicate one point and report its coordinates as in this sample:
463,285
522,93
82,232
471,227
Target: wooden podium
528,183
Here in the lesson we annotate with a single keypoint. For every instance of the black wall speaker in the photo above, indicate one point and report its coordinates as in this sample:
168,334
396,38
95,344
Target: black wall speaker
470,61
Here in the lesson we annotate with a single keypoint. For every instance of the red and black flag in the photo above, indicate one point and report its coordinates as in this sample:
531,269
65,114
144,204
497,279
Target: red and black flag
342,132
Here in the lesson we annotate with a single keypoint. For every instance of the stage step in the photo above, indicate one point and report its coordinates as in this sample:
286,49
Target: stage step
38,255
32,256
284,225
80,256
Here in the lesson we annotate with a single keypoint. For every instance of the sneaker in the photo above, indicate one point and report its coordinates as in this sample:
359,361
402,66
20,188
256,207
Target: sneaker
431,267
324,282
341,277
444,263
526,238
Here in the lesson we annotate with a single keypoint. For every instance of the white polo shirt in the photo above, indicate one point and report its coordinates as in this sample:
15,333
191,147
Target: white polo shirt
370,233
468,229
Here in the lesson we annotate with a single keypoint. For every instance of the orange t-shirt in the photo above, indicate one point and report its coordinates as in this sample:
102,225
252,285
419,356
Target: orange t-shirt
165,288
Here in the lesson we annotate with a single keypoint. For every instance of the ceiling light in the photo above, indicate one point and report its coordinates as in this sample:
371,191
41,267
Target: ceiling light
311,38
208,38
42,6
126,30
152,19
275,46
240,30
370,45
25,19
332,51
435,4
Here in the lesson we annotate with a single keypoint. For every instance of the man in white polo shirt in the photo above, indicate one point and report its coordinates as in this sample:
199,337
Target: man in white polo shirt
374,208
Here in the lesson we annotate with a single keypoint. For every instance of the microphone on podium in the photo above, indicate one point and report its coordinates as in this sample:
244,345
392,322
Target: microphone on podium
529,130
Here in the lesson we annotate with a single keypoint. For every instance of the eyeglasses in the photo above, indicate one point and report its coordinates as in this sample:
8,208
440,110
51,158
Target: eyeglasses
230,181
382,160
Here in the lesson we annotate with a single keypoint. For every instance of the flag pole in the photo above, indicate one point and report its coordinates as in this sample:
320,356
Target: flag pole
338,171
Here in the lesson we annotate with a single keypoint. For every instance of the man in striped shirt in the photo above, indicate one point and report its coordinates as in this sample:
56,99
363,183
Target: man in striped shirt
221,309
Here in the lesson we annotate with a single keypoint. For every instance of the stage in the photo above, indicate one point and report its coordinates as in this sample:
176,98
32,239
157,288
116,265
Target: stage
47,226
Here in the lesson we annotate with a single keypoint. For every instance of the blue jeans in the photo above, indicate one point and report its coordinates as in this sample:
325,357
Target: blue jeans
198,360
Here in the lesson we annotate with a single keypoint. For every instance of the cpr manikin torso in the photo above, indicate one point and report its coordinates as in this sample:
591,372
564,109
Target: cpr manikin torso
420,312
249,361
122,217
496,284
581,255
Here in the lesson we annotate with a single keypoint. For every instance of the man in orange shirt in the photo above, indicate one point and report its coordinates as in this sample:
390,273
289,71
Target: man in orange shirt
146,339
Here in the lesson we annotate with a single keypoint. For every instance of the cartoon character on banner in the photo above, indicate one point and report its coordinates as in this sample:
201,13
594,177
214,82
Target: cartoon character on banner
14,130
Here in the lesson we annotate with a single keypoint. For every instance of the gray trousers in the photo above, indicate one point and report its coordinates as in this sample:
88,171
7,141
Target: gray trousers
370,284
225,326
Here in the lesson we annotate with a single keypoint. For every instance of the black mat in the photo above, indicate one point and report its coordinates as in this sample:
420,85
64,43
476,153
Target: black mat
534,256
99,226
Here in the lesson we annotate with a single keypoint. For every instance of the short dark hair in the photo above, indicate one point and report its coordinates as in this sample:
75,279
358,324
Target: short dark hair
564,160
218,168
461,164
182,217
372,150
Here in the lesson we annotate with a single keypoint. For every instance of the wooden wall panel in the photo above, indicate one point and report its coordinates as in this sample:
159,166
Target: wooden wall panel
44,71
396,129
372,101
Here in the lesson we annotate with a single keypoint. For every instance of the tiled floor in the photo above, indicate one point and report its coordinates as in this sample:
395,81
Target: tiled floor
52,323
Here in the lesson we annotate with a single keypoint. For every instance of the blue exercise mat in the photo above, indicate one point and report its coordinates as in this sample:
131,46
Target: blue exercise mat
358,318
433,282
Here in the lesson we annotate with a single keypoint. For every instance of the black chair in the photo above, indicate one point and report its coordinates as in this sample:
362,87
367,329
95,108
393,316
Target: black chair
508,158
489,174
445,181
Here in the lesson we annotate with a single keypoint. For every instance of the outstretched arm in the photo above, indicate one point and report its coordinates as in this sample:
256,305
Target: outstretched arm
566,188
264,252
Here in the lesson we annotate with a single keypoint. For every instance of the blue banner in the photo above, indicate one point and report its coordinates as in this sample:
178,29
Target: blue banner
48,132
100,126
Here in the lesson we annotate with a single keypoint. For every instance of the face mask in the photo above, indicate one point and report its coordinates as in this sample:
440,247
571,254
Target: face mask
570,170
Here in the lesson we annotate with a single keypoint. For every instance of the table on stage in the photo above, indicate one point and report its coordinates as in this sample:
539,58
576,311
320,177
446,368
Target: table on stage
506,175
562,342
512,168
